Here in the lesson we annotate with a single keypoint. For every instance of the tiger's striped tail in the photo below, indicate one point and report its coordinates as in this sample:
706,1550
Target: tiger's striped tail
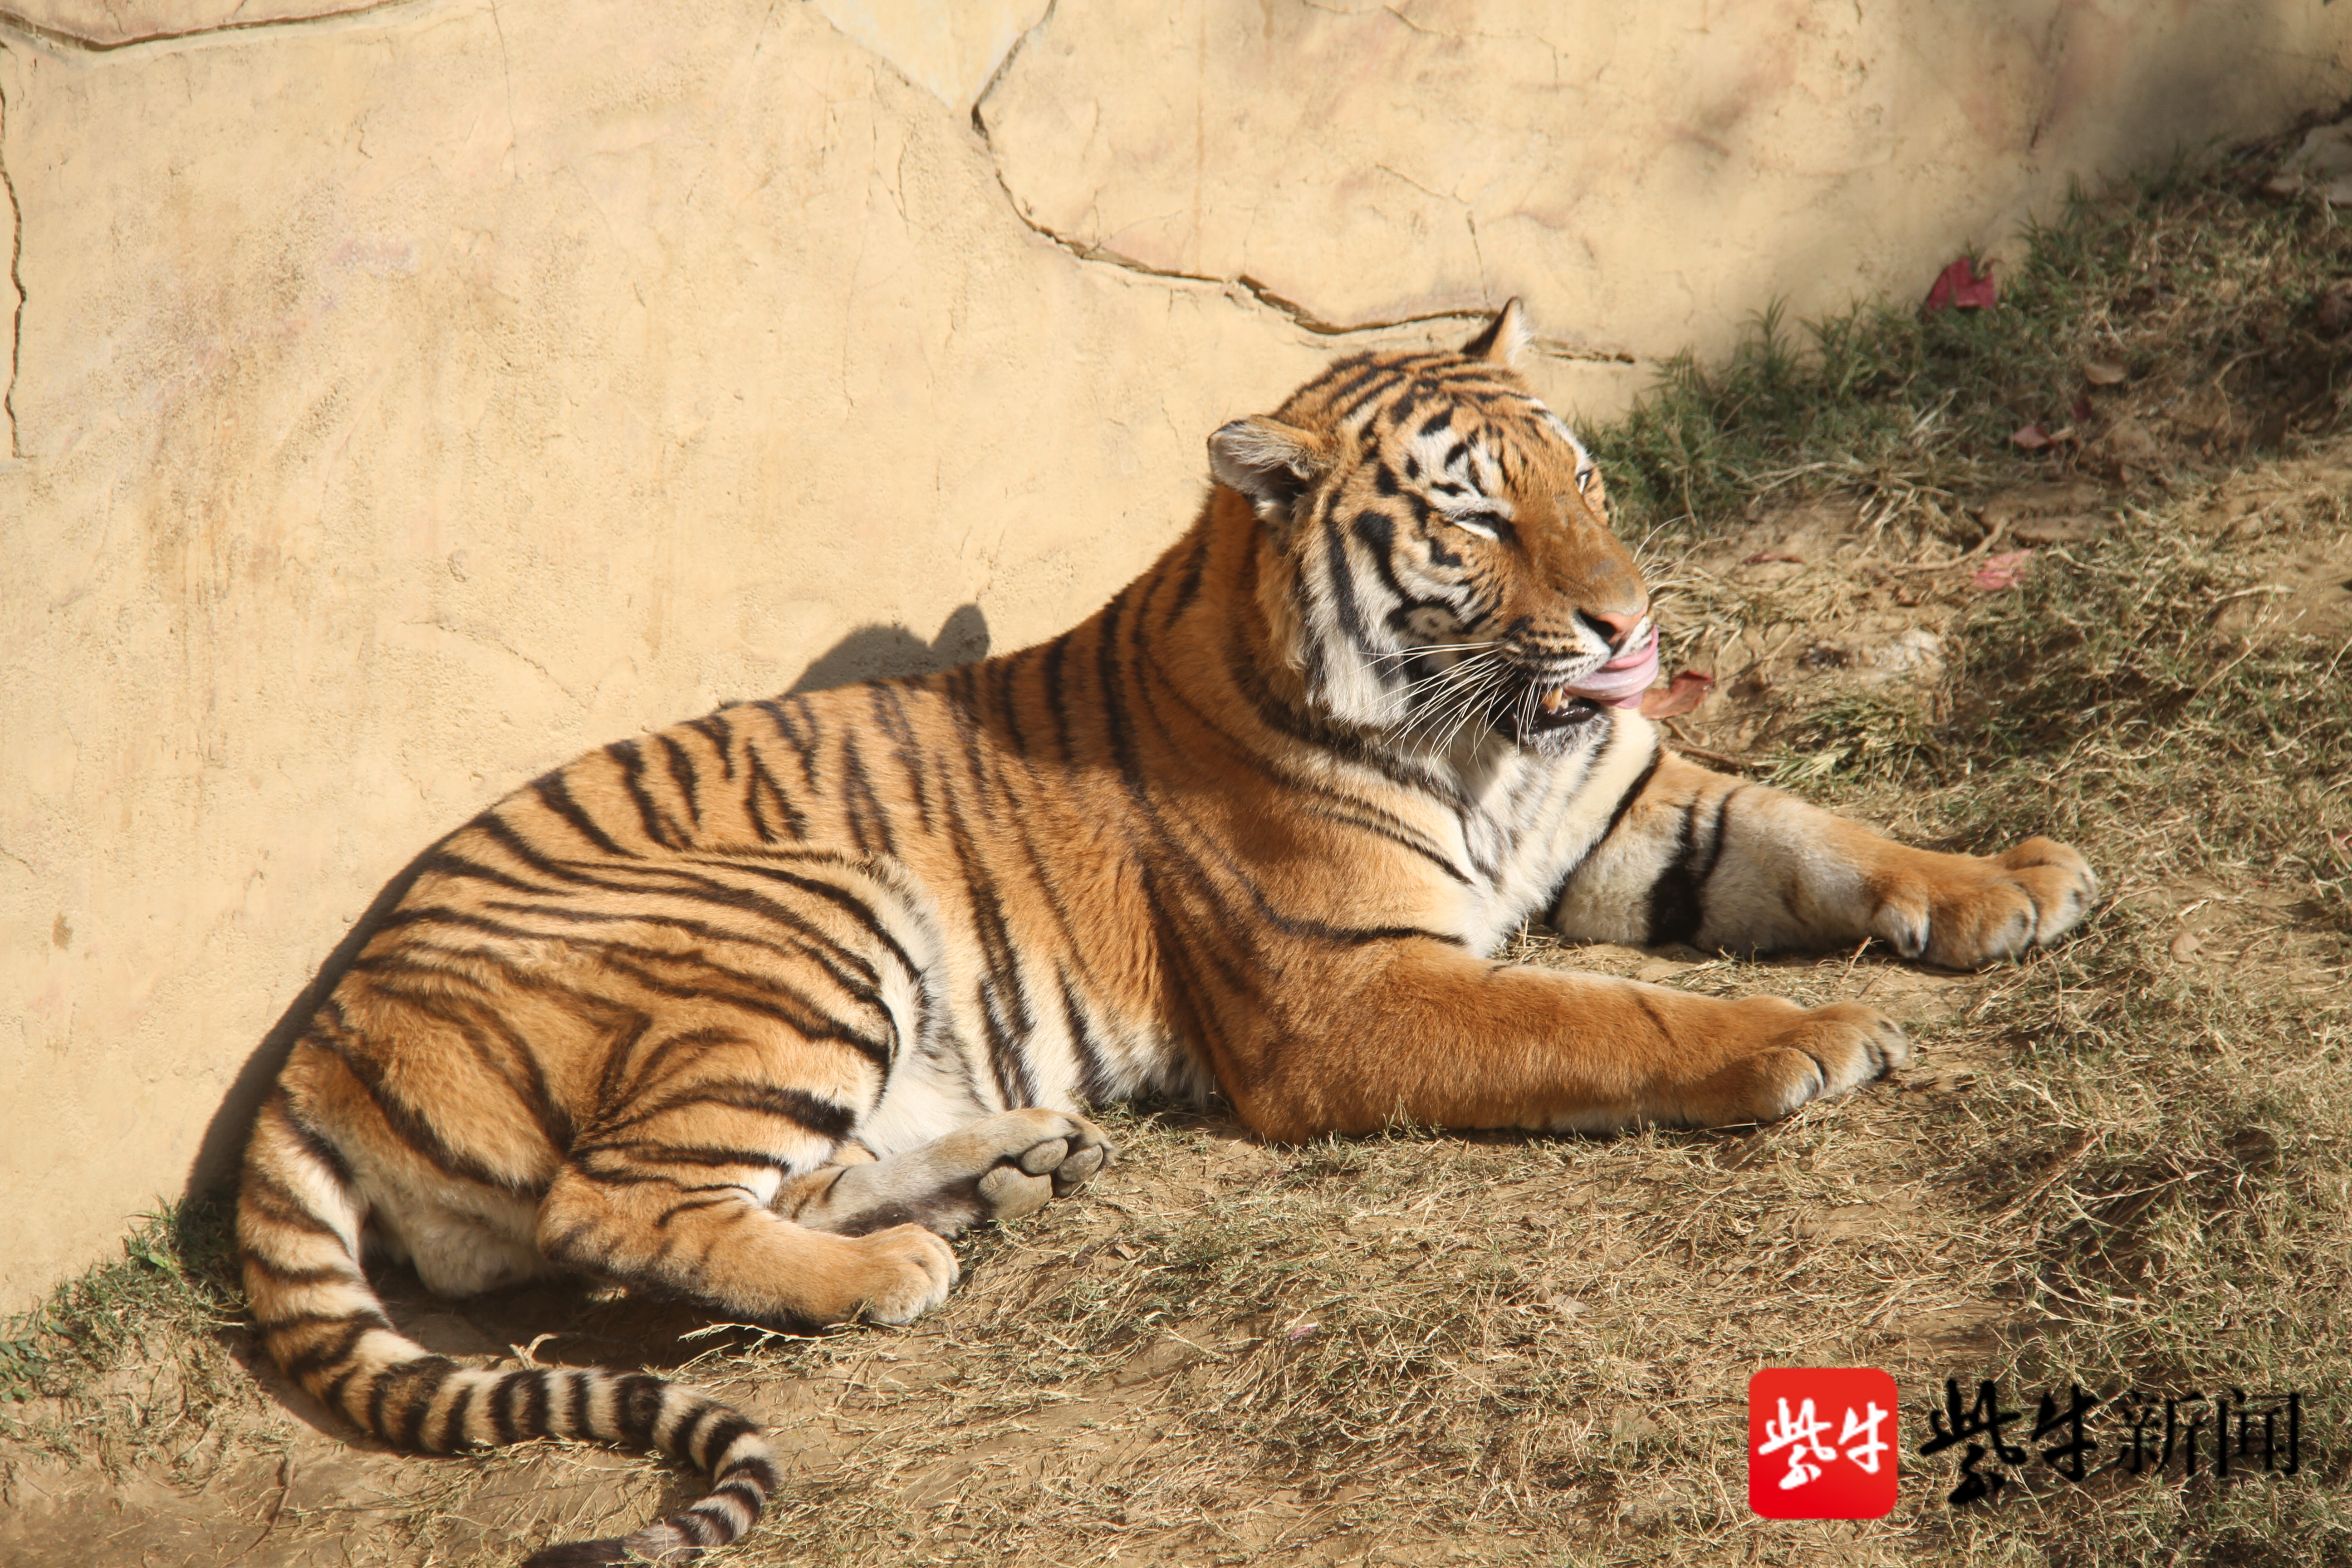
299,1221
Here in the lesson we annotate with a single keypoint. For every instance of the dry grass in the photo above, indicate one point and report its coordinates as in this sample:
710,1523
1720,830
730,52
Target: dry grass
2122,1163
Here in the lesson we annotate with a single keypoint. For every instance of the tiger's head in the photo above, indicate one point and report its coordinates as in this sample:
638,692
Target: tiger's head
1442,564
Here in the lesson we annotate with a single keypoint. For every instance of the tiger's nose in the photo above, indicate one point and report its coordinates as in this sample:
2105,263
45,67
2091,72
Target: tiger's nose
1615,625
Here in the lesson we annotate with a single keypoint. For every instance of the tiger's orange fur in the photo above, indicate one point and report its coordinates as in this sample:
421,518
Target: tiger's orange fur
759,1010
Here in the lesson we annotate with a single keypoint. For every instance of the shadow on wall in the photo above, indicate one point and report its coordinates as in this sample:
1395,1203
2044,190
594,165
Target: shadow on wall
876,652
868,653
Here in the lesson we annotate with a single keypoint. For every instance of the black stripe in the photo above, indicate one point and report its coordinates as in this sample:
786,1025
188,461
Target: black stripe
682,773
502,1403
637,1408
1096,1086
452,1426
583,1394
714,728
1657,1018
337,1349
1004,702
331,1396
626,959
798,1105
1006,1020
379,1390
761,1473
426,1381
264,1194
812,1023
655,820
503,832
1056,653
869,820
366,1317
1616,815
1632,792
744,1489
805,742
1340,576
1674,913
1677,904
733,1199
460,868
1188,582
890,712
681,1441
556,796
712,1443
313,1143
840,898
758,779
1331,806
534,1411
287,1274
714,1155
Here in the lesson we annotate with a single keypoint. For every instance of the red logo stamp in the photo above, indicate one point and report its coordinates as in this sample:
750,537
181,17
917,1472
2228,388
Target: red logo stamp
1821,1442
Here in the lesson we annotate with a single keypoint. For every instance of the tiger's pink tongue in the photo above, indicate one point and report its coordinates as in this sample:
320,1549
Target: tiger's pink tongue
1621,682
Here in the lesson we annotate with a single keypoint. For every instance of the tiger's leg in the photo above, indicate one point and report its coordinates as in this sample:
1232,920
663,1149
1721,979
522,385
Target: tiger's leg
669,1192
999,1167
1419,1027
1729,864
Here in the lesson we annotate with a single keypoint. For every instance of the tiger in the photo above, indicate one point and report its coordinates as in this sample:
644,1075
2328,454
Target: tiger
762,1011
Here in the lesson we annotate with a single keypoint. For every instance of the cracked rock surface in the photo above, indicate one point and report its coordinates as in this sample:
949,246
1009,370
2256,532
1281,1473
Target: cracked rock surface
1647,177
401,399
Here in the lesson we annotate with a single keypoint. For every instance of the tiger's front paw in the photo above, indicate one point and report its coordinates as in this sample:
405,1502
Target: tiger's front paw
1801,1054
1963,911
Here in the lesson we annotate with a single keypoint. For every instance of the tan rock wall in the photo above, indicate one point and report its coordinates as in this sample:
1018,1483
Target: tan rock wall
400,401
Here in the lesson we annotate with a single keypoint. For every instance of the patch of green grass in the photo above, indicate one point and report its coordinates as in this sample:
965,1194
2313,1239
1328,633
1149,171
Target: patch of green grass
2173,282
176,1279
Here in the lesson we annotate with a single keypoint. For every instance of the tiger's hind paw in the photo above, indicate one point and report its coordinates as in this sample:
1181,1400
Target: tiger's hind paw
999,1167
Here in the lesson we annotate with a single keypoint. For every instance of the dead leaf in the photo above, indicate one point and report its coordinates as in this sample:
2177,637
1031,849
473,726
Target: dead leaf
1686,691
2104,373
2184,947
1962,287
1999,572
1761,556
2032,437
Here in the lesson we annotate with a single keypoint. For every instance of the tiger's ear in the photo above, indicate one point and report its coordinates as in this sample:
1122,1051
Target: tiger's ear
1268,461
1505,337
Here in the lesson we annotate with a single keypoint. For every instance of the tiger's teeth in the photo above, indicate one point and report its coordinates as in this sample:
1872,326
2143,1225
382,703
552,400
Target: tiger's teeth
1550,701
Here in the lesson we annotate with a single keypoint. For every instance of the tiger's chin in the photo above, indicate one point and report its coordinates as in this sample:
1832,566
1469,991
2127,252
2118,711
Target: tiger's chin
1553,721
